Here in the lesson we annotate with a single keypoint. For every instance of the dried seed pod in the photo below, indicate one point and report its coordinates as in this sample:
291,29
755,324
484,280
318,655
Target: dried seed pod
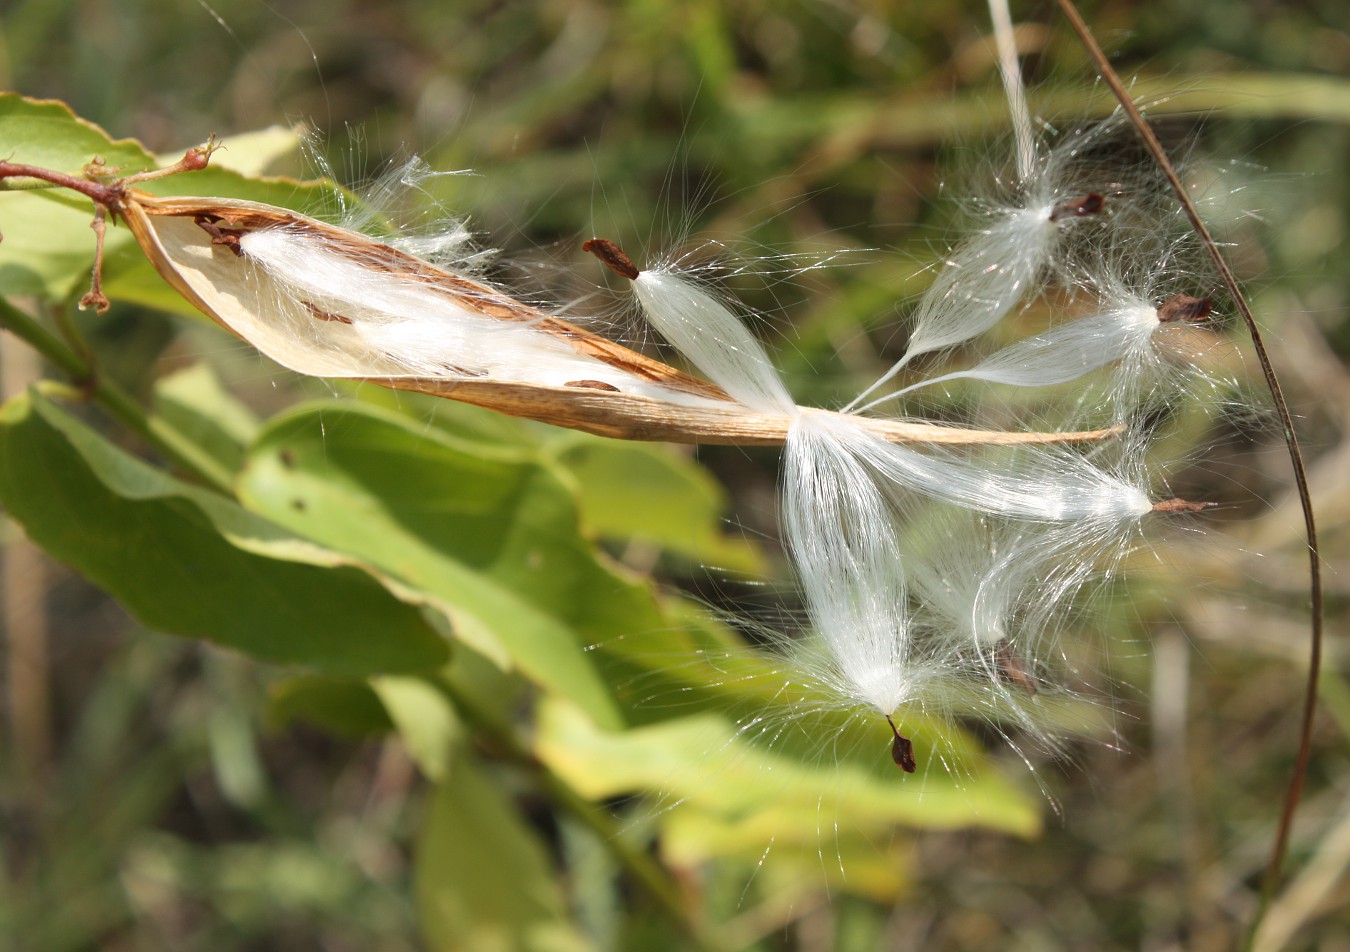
326,301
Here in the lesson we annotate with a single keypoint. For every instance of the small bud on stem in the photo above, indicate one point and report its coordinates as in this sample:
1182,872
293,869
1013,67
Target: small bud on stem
193,160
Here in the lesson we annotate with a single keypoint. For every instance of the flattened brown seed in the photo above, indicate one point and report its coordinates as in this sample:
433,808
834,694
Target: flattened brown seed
1012,668
321,314
613,256
1183,307
228,237
902,749
592,385
1183,505
1090,204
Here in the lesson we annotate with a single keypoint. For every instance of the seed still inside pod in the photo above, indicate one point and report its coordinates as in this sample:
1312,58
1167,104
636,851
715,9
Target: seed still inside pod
329,302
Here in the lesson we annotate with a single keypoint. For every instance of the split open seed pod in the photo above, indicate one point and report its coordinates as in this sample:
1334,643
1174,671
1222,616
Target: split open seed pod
328,302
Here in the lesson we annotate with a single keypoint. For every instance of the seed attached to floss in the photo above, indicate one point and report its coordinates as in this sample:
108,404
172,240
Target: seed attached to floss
1183,307
320,314
383,305
613,256
1013,668
593,385
1183,505
1090,204
227,237
902,749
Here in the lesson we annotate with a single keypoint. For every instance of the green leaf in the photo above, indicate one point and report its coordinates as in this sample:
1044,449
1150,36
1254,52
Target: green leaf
44,132
427,723
195,404
48,249
732,795
749,777
348,707
188,562
650,493
490,531
463,420
235,759
482,879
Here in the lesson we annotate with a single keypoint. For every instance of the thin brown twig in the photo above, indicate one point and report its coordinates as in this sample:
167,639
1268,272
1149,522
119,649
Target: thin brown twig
1112,79
99,193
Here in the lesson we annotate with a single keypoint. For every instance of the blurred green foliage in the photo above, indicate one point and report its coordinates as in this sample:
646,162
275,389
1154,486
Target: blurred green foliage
189,802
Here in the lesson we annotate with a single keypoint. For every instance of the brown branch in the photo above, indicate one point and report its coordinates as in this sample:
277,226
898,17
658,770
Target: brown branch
108,195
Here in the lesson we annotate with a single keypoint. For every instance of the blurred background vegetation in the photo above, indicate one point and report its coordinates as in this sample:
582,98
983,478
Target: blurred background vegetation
147,805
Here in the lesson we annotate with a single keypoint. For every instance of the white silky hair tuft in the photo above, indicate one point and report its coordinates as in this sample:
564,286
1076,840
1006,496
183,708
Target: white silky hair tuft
1060,217
958,612
841,507
398,205
1034,483
839,527
1124,328
407,325
713,339
910,624
978,284
963,614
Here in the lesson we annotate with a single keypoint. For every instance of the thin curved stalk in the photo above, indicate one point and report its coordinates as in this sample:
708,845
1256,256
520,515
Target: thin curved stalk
1271,880
182,452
